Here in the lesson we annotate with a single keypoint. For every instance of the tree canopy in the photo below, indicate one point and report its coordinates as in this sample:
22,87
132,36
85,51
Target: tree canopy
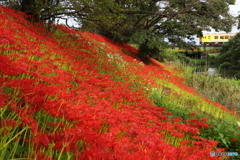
229,56
152,24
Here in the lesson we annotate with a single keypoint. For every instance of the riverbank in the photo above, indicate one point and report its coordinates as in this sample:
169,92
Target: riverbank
214,71
214,85
213,68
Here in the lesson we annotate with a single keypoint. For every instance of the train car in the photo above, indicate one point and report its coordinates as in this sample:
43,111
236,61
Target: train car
216,38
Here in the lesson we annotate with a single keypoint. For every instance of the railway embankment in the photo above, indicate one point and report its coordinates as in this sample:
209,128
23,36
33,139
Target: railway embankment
70,94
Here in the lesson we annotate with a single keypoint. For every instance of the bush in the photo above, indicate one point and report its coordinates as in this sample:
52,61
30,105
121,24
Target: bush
168,55
229,53
196,62
212,58
161,54
225,65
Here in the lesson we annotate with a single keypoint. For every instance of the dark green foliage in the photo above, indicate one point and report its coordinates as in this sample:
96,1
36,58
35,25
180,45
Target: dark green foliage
147,22
39,10
198,62
225,65
168,56
229,56
212,58
149,39
145,51
224,132
151,23
150,45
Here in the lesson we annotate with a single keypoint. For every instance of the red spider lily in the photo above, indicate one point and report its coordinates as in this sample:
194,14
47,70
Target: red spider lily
178,135
41,156
6,126
130,48
168,113
203,125
4,40
67,141
103,115
28,120
176,119
8,123
192,114
233,139
2,98
41,139
184,143
204,119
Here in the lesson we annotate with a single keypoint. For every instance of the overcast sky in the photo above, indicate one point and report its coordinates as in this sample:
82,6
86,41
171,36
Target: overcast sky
234,10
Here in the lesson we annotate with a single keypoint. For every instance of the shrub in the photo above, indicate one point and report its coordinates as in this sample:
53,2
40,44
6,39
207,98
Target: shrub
230,53
225,65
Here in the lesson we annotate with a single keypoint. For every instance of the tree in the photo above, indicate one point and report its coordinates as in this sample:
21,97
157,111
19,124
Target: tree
40,10
149,23
152,22
229,56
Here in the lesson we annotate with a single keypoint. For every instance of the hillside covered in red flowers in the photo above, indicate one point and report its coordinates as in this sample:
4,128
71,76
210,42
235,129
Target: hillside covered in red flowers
70,94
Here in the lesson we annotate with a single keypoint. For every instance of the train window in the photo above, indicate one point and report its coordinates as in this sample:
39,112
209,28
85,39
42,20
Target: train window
215,37
221,37
226,37
209,37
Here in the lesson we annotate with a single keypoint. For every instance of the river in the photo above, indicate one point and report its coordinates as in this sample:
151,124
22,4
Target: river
211,71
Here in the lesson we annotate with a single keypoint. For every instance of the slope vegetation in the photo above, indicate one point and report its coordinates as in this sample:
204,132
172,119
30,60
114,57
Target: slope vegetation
69,94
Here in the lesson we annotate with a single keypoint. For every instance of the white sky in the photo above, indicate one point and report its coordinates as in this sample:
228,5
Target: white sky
235,11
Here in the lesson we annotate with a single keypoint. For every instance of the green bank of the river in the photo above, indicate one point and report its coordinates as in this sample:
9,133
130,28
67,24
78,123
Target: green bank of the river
215,71
212,85
212,68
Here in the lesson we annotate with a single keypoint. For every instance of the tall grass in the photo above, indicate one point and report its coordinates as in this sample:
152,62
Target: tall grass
226,91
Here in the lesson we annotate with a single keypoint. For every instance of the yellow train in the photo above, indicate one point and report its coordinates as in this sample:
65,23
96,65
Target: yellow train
216,38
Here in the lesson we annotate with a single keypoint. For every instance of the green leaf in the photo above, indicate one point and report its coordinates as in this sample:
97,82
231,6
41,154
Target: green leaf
221,135
224,142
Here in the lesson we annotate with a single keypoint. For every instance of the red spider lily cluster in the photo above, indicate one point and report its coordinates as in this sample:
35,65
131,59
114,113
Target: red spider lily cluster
69,76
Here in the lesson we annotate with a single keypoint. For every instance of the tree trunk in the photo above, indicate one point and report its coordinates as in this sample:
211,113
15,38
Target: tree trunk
28,6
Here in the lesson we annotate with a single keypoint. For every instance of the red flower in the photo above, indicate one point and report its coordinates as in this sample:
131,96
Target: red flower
192,114
176,119
41,156
183,143
8,123
41,139
233,139
168,113
204,119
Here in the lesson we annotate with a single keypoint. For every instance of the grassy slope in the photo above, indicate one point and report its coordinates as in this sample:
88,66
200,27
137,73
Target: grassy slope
68,94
